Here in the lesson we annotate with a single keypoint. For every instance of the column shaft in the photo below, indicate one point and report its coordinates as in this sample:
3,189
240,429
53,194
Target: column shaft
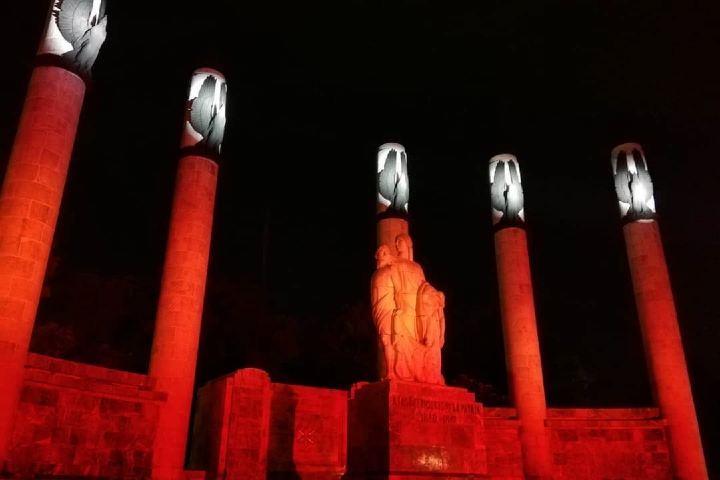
388,230
29,206
182,294
663,346
522,350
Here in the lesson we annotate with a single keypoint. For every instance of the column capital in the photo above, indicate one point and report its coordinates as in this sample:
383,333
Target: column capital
205,114
506,192
75,32
633,184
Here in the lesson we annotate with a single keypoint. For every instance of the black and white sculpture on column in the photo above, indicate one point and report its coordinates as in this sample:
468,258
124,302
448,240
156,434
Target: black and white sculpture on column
393,185
75,32
205,116
633,184
506,192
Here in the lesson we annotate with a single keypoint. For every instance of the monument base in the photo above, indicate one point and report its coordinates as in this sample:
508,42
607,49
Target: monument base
414,431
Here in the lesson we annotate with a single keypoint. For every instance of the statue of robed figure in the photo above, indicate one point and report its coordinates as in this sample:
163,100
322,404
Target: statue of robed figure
409,316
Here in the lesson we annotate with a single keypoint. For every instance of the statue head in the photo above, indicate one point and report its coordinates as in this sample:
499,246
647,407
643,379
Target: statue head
393,185
506,192
404,246
205,115
633,185
75,32
383,256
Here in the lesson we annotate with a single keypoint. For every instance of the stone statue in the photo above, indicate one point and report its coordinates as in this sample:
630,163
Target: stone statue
431,330
633,184
506,192
75,32
393,186
383,306
206,111
408,314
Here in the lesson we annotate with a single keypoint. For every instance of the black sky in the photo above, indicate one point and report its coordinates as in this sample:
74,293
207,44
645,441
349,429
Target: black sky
314,88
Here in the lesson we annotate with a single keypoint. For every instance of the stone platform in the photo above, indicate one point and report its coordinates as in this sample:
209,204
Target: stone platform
412,431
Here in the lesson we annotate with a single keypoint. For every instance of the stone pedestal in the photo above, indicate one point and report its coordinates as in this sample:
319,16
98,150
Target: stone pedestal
411,431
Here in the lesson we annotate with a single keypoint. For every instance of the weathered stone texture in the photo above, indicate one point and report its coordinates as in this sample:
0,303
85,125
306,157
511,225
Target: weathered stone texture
402,430
619,444
81,420
307,433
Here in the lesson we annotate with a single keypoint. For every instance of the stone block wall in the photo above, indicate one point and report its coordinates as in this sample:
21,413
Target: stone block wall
247,427
504,456
300,433
308,433
82,420
231,427
623,444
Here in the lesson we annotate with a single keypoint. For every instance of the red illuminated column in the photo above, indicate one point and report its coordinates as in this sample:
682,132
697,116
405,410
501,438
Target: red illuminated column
393,194
517,306
31,195
656,311
182,292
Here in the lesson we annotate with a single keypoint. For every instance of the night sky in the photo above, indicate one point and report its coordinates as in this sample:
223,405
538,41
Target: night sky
314,89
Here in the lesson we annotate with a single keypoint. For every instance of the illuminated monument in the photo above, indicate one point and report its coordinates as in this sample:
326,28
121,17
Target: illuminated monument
407,311
409,424
182,293
35,180
656,310
63,419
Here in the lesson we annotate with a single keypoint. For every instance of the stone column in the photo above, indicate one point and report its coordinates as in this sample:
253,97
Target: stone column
393,194
656,310
517,306
182,292
33,188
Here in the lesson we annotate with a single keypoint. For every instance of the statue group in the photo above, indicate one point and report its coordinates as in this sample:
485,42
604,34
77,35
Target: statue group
408,314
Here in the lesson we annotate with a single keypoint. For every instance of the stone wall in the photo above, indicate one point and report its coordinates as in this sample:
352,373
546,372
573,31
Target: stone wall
291,432
623,443
587,444
504,456
308,433
247,427
81,420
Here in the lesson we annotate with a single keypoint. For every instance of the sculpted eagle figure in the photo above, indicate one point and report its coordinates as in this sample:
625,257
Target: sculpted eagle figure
207,112
633,185
83,25
506,192
393,184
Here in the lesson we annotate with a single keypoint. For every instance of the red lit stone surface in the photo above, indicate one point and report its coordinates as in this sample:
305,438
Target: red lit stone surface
388,229
232,426
504,455
663,346
182,294
246,424
29,206
81,420
307,433
77,420
522,349
591,444
403,430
